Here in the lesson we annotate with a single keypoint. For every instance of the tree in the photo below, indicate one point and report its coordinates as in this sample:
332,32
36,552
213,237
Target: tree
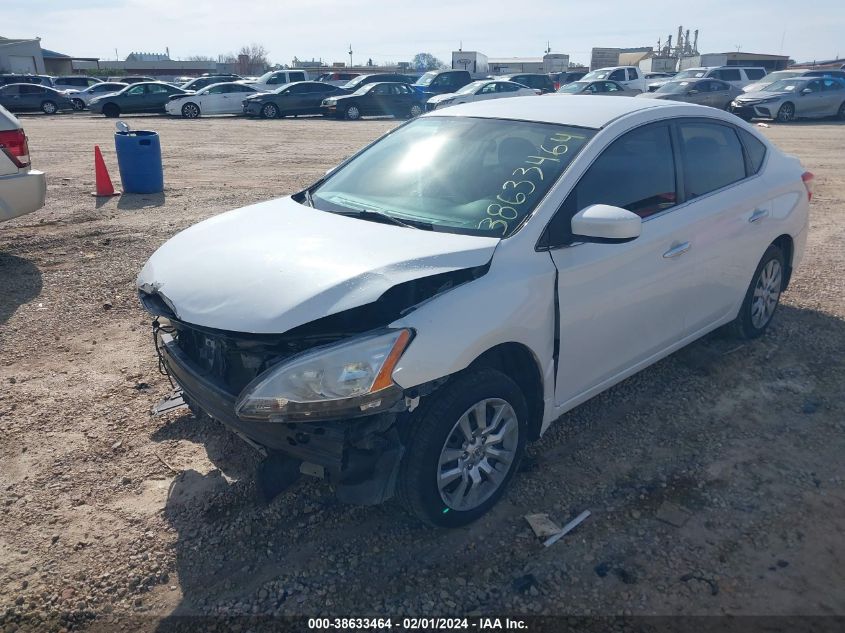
256,59
200,58
425,61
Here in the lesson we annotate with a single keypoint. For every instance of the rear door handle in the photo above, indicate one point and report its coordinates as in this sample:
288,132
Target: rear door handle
758,215
675,251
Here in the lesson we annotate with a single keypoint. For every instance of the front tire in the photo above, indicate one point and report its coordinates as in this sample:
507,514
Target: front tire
270,111
786,113
190,111
352,113
841,113
49,107
111,111
463,447
416,111
78,104
763,295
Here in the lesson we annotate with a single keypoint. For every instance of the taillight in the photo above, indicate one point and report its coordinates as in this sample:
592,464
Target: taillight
808,179
13,144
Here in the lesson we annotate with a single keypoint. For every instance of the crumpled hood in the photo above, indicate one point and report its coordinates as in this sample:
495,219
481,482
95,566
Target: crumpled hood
276,265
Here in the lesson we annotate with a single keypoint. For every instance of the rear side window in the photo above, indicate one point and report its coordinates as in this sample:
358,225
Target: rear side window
728,74
632,73
617,75
755,150
297,76
755,73
712,157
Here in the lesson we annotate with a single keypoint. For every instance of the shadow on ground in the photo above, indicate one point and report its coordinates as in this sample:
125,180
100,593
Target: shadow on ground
20,282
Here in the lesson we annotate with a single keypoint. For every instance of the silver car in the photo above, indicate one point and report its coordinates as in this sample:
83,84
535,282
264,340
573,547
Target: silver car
603,88
709,92
790,99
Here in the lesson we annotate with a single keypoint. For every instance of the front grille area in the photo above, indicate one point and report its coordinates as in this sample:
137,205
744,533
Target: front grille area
232,361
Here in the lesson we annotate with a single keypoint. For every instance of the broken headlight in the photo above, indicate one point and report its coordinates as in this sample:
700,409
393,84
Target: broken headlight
345,380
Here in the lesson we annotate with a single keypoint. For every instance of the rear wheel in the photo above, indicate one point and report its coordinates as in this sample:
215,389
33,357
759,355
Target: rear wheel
763,295
463,447
786,113
190,111
111,110
352,113
270,111
49,107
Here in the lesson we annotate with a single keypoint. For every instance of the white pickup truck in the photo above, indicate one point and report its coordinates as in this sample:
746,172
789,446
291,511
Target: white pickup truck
22,190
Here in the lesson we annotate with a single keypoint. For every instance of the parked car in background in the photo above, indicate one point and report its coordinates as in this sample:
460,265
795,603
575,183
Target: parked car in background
362,80
538,81
220,98
738,76
199,83
299,97
30,97
271,80
337,79
81,98
480,91
448,295
601,88
130,79
150,96
379,99
78,82
22,79
658,75
709,92
438,82
628,76
790,99
771,78
22,189
563,78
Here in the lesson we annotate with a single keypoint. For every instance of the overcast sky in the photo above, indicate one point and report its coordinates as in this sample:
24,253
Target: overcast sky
395,31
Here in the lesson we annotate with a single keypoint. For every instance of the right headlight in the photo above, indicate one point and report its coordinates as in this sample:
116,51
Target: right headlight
346,380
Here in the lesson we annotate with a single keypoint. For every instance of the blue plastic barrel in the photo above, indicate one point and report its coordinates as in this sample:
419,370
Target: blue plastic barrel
139,160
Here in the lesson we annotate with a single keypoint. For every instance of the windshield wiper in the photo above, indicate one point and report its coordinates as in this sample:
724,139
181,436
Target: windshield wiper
379,216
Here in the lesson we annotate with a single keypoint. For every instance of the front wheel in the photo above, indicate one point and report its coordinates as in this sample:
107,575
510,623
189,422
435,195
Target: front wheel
463,448
786,113
49,107
270,111
352,113
111,111
841,113
763,295
416,110
78,104
190,111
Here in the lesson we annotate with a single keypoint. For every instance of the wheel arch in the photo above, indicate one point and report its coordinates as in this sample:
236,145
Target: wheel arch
518,363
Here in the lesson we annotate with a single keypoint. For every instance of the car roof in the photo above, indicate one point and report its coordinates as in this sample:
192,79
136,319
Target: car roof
589,111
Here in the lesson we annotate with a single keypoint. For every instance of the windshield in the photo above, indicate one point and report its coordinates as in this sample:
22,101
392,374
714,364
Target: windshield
575,86
364,89
426,79
263,78
691,73
471,88
455,174
782,74
676,87
597,74
786,85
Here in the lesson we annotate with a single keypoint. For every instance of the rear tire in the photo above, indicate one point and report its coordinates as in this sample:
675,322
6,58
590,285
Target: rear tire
111,110
763,295
49,107
454,469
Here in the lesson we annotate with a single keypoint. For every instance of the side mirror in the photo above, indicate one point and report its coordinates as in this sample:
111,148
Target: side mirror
806,91
692,92
606,224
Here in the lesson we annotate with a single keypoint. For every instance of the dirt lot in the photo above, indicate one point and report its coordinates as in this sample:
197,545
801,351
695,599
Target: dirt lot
109,511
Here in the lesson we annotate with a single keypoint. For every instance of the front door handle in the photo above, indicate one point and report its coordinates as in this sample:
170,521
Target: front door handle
680,249
758,215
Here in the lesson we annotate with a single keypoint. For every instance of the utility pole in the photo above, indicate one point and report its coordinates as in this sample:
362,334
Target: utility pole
350,55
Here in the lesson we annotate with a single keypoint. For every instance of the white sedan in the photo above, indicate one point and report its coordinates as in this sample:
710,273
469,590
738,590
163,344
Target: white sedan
480,91
22,189
408,323
222,98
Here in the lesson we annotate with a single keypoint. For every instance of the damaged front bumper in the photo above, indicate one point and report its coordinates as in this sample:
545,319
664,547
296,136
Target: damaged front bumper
360,456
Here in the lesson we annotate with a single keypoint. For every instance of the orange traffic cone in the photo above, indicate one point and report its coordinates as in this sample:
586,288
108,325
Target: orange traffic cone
104,186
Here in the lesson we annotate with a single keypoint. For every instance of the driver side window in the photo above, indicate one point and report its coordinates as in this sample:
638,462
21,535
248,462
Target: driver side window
636,172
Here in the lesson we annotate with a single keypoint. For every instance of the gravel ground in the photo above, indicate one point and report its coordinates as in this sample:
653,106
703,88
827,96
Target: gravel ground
715,478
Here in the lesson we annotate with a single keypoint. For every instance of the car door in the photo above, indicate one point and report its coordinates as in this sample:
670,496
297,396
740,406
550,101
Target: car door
488,91
31,96
724,210
619,77
833,91
621,304
721,94
810,100
314,97
380,101
210,100
133,100
10,97
157,96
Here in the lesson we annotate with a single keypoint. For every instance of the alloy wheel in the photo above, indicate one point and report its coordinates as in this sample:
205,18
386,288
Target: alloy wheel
270,111
190,111
49,107
477,454
786,113
353,113
416,111
766,294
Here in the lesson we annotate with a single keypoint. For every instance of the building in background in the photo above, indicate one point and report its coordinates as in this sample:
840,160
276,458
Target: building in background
831,64
21,56
473,61
736,58
548,63
606,57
